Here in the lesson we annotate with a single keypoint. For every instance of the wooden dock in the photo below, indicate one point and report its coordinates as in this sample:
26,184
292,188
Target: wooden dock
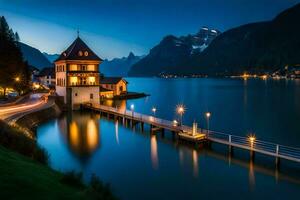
186,133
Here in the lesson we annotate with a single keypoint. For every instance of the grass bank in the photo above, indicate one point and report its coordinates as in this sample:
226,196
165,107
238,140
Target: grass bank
24,173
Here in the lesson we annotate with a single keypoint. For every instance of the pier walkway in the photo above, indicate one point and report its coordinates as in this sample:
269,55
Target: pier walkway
201,135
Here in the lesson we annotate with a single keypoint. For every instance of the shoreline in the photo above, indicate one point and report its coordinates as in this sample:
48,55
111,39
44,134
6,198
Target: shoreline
26,158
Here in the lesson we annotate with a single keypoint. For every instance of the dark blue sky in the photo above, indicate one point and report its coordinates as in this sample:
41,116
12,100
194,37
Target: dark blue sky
113,28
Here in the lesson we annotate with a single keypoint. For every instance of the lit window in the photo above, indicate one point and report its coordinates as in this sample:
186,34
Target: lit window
80,53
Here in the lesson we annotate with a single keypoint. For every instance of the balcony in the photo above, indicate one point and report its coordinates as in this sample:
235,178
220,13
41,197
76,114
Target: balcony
81,84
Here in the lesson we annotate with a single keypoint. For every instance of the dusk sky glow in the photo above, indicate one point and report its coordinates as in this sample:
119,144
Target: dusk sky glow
113,28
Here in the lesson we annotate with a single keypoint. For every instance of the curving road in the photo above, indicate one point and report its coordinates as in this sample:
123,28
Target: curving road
32,103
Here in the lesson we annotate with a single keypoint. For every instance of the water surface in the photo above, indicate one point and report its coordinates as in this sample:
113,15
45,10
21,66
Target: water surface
139,165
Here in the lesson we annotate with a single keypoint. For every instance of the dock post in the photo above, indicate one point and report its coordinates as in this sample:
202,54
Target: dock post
277,159
252,155
174,135
142,126
230,147
162,132
123,120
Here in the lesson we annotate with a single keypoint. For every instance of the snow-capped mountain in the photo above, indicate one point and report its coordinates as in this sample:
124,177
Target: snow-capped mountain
172,52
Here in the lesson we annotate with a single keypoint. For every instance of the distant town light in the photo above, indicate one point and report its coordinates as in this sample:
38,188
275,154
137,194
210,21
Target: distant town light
17,79
264,77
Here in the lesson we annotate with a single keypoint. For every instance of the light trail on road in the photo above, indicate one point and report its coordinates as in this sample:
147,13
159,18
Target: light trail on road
34,102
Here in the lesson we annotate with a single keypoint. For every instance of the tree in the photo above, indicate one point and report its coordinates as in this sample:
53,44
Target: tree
17,37
14,71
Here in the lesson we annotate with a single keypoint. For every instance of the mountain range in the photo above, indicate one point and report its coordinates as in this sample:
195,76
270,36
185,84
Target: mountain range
172,52
114,67
51,57
34,57
256,48
261,47
119,66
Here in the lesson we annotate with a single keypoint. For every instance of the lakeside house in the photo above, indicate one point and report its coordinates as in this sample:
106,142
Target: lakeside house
47,77
78,80
112,86
77,75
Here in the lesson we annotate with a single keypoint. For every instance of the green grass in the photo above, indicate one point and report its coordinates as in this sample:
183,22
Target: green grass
24,173
23,178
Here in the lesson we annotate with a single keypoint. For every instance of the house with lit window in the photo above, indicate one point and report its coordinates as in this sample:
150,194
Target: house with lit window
112,86
77,75
46,77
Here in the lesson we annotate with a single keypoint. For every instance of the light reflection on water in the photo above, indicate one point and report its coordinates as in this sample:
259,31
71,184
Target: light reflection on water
154,151
83,136
140,165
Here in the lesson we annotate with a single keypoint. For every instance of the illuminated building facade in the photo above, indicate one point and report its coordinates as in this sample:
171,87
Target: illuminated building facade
77,75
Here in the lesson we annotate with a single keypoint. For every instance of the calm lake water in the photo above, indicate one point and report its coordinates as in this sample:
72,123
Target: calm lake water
143,166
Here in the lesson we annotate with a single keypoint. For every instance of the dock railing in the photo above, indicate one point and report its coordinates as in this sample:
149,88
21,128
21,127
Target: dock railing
268,148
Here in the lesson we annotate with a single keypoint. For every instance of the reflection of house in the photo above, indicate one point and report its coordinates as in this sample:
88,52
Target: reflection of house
106,93
113,86
47,76
77,74
81,132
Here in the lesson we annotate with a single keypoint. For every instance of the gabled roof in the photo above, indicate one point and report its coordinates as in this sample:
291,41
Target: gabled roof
111,80
102,89
48,71
78,50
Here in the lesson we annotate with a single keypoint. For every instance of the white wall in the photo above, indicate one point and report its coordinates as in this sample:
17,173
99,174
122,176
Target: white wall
83,95
61,91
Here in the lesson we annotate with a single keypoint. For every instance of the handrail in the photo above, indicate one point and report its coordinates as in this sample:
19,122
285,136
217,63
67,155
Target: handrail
270,148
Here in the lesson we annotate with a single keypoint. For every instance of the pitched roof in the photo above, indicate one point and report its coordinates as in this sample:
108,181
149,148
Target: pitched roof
78,50
111,80
102,89
48,71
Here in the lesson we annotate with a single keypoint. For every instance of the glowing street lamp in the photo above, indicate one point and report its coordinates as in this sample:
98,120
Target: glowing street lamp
207,115
132,109
154,110
252,139
17,79
180,110
175,122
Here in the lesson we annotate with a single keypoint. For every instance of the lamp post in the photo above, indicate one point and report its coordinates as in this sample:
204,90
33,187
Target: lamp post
132,109
252,139
207,115
180,110
153,110
17,80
